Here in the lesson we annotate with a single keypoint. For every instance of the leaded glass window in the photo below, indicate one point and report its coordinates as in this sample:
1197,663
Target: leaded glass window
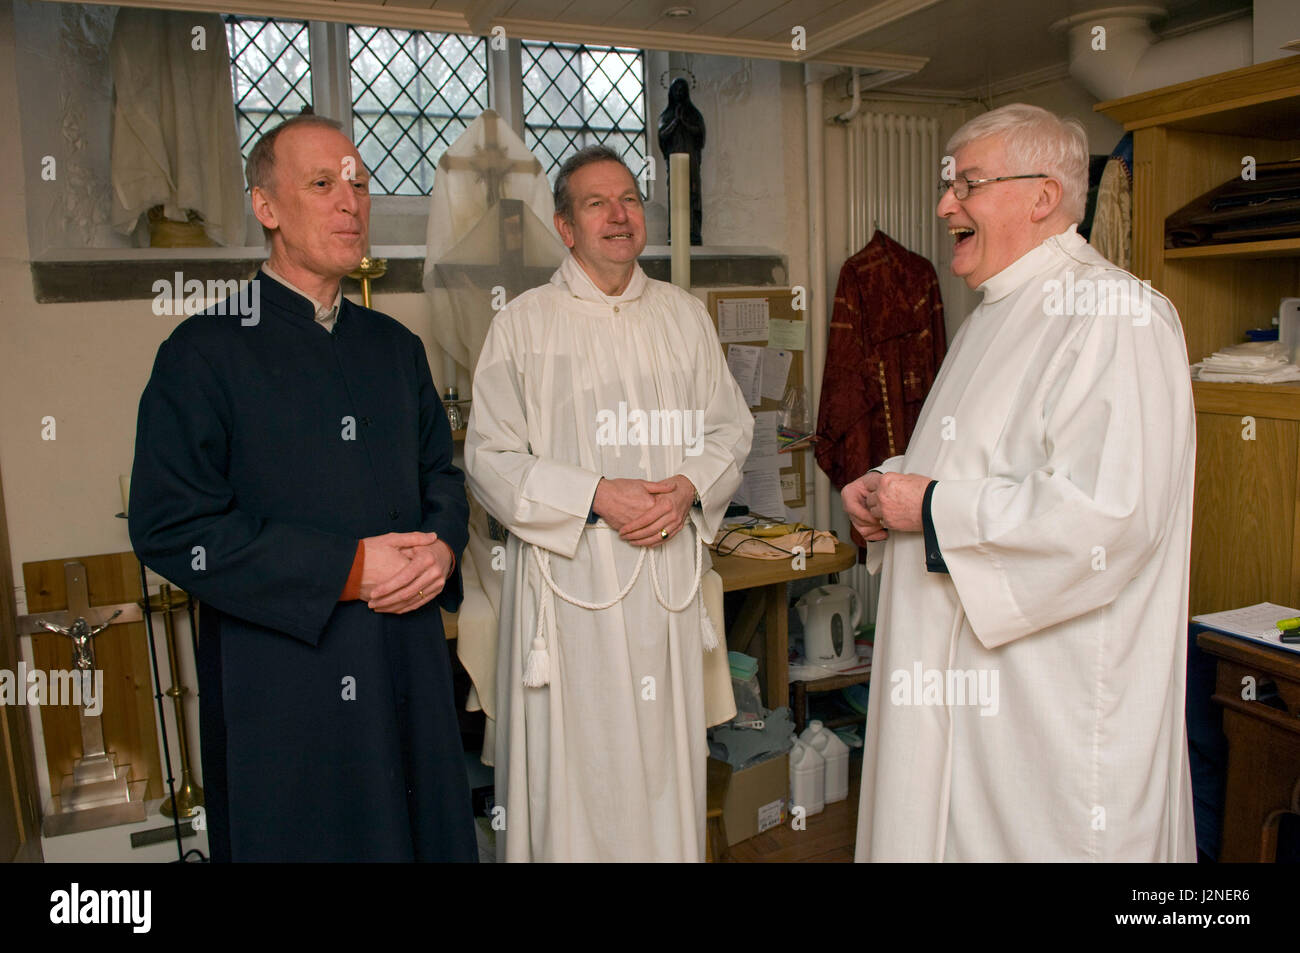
270,73
413,93
576,95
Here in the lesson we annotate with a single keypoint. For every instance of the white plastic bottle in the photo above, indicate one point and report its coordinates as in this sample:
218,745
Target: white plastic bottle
807,779
836,755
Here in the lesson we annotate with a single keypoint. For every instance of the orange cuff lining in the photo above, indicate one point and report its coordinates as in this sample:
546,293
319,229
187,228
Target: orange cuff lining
352,588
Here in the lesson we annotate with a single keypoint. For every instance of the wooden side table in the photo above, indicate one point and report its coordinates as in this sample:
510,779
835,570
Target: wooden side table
765,580
1263,780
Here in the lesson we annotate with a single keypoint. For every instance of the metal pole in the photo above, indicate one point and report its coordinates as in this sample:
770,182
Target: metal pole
162,717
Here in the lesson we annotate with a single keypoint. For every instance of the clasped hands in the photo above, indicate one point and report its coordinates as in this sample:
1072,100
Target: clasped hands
403,571
878,502
645,513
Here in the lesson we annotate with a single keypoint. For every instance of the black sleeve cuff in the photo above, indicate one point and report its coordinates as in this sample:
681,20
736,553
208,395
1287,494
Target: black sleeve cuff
933,558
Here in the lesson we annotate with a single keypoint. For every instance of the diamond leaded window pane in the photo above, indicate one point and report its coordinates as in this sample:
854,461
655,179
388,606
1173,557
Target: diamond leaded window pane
270,73
413,93
576,96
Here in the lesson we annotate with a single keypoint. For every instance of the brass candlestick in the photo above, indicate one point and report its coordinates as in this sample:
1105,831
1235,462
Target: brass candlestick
189,796
368,269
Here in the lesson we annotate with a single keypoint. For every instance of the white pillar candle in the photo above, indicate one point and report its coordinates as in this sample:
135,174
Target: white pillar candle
448,372
125,483
679,185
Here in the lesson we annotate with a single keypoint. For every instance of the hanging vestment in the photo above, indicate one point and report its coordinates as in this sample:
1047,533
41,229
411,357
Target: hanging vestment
885,346
174,138
1112,221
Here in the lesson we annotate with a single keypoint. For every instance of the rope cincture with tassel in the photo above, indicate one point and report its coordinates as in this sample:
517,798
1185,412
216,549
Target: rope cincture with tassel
537,668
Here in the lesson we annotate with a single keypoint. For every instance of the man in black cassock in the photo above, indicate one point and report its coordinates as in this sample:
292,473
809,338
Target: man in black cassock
293,471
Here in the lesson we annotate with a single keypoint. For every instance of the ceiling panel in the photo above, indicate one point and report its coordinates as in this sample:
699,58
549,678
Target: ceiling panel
534,9
417,5
980,22
814,18
794,13
739,15
648,14
597,11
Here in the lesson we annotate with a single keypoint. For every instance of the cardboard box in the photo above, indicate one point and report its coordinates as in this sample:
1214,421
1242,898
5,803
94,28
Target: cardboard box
757,798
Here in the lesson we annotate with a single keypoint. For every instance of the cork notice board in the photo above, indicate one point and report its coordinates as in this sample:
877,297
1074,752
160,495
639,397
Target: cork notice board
780,308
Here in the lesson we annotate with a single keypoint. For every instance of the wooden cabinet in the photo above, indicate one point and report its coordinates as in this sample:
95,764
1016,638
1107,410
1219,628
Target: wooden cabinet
1187,139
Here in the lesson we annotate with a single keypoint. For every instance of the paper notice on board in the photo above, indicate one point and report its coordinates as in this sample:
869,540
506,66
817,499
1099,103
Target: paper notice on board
742,319
791,486
785,334
765,443
768,461
776,370
746,364
762,493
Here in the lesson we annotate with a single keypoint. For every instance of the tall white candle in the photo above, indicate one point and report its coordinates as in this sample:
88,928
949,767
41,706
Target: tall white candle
679,179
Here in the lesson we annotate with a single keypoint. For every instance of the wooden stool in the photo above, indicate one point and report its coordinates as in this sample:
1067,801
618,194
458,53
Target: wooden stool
715,829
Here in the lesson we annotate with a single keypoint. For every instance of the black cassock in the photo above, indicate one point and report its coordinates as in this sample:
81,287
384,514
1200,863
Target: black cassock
264,452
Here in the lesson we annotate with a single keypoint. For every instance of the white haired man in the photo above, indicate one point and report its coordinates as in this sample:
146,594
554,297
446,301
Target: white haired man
1031,657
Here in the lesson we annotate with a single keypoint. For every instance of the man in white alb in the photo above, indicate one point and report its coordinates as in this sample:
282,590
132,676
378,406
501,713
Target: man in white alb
607,435
1027,692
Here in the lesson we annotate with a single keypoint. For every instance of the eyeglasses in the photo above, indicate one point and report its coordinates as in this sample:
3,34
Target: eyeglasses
961,186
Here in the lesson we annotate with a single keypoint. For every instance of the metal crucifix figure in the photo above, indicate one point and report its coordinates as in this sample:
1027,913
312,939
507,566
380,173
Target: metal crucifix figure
83,650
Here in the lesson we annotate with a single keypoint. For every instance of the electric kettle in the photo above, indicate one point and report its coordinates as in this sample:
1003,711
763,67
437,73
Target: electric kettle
830,617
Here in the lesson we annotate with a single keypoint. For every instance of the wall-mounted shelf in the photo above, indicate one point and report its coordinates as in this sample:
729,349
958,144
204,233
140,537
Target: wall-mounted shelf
1276,248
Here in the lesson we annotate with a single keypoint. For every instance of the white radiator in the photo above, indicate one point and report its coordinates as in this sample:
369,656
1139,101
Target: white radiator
893,167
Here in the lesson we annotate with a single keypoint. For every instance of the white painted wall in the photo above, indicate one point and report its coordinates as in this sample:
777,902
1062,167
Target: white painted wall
1275,22
742,167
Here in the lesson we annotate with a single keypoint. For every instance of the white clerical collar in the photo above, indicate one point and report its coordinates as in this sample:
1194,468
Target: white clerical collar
324,315
581,286
1030,263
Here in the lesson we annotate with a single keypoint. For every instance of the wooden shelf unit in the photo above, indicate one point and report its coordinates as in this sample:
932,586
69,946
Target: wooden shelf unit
1188,139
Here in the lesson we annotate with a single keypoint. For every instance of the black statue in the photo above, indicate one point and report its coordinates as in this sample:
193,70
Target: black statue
681,129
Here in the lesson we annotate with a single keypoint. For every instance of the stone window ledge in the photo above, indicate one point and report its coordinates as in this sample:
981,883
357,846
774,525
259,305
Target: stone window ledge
128,274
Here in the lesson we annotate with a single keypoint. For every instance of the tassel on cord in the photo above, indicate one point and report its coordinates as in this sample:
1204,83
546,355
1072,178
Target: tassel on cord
537,668
537,672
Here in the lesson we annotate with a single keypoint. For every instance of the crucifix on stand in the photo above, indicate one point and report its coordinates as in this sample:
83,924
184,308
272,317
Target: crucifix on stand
99,792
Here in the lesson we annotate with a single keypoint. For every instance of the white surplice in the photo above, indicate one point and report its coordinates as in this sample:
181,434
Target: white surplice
606,761
1064,447
174,138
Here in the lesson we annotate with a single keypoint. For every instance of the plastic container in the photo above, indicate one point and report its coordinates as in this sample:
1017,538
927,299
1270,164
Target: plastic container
1288,327
835,753
807,779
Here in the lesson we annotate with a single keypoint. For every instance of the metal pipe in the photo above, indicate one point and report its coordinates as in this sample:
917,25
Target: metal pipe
857,100
814,93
